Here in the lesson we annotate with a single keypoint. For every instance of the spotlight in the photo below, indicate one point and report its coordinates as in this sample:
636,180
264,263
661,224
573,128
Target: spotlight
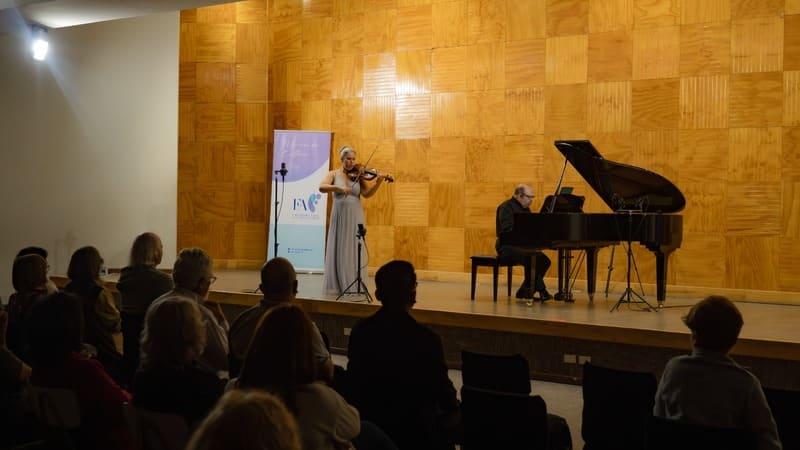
40,44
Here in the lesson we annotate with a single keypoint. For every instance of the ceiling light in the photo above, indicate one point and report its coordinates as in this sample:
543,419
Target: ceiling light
40,45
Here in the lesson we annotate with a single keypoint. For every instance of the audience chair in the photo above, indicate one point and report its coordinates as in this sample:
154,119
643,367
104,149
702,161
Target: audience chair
501,420
666,434
784,406
494,262
505,373
156,431
617,405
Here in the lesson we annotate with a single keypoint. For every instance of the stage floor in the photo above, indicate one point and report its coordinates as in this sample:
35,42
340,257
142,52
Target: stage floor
770,331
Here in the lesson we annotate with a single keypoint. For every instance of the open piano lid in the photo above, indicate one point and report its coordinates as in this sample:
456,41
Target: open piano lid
620,185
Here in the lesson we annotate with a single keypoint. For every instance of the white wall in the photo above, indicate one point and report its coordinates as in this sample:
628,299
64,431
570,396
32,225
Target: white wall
88,141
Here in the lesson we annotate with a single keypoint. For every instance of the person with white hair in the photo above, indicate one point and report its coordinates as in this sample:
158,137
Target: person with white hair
193,275
347,220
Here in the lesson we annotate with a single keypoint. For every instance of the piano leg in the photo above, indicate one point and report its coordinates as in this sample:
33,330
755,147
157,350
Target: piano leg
661,276
591,271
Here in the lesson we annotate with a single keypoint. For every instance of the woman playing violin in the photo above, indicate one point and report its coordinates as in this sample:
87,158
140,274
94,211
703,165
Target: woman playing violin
347,184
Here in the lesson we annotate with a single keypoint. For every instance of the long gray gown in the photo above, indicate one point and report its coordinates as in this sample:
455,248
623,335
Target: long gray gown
341,250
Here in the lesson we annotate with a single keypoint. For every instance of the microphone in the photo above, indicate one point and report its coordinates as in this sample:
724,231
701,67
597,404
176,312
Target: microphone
283,171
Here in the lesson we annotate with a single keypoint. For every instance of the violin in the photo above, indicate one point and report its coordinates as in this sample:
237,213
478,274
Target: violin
361,172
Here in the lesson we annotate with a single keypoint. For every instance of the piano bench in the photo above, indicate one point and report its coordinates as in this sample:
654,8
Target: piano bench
494,262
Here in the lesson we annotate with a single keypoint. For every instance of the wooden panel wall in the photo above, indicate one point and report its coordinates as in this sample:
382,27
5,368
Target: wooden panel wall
463,98
222,166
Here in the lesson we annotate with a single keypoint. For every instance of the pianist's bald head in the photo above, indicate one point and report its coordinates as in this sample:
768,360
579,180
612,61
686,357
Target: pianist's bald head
524,195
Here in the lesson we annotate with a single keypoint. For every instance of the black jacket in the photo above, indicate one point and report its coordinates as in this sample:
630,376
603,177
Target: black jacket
504,219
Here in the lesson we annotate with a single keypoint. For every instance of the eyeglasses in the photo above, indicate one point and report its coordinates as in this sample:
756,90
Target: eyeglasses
529,196
211,280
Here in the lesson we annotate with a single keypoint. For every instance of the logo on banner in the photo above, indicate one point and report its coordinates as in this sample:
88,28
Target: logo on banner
306,205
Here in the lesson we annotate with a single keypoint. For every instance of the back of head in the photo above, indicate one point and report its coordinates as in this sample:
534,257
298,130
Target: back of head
396,284
191,266
84,266
280,355
33,251
247,420
55,328
715,323
29,273
278,278
146,250
174,334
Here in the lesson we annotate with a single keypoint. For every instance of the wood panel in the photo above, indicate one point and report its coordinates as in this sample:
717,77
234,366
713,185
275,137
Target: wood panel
215,43
448,111
485,66
448,69
656,53
791,98
656,13
446,249
756,45
413,117
486,21
610,15
566,60
701,259
567,17
565,107
753,209
754,154
762,92
609,106
449,24
413,72
791,42
703,154
411,204
414,27
524,111
525,63
411,244
655,104
752,262
525,19
744,9
705,11
705,49
522,158
610,56
485,113
380,31
448,158
447,208
704,102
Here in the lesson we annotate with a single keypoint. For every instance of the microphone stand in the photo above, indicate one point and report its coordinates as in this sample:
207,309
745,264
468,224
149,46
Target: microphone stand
282,172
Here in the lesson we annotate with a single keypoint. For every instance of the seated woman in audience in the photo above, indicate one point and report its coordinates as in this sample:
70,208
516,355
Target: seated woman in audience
101,319
252,420
51,287
281,360
29,277
708,387
139,284
14,425
55,338
169,380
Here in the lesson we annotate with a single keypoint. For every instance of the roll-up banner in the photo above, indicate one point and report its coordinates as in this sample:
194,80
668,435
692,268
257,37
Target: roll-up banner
302,210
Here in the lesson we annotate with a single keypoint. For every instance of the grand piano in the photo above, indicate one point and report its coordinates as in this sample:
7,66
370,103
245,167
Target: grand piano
643,203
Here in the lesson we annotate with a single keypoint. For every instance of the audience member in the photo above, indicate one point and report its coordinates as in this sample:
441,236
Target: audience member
281,361
139,284
247,421
15,425
29,278
12,370
169,380
51,287
101,319
193,276
279,286
397,371
56,343
708,387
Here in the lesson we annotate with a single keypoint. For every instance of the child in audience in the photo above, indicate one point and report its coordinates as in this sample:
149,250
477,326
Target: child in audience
169,379
708,387
253,420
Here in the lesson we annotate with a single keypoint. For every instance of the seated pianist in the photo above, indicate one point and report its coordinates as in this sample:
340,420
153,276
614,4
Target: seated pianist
520,202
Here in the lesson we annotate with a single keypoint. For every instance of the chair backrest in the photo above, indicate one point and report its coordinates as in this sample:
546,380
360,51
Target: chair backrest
505,373
666,434
57,408
161,431
616,407
503,420
784,406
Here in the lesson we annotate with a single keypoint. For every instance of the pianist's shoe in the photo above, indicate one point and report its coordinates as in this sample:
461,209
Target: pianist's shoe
544,295
525,293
